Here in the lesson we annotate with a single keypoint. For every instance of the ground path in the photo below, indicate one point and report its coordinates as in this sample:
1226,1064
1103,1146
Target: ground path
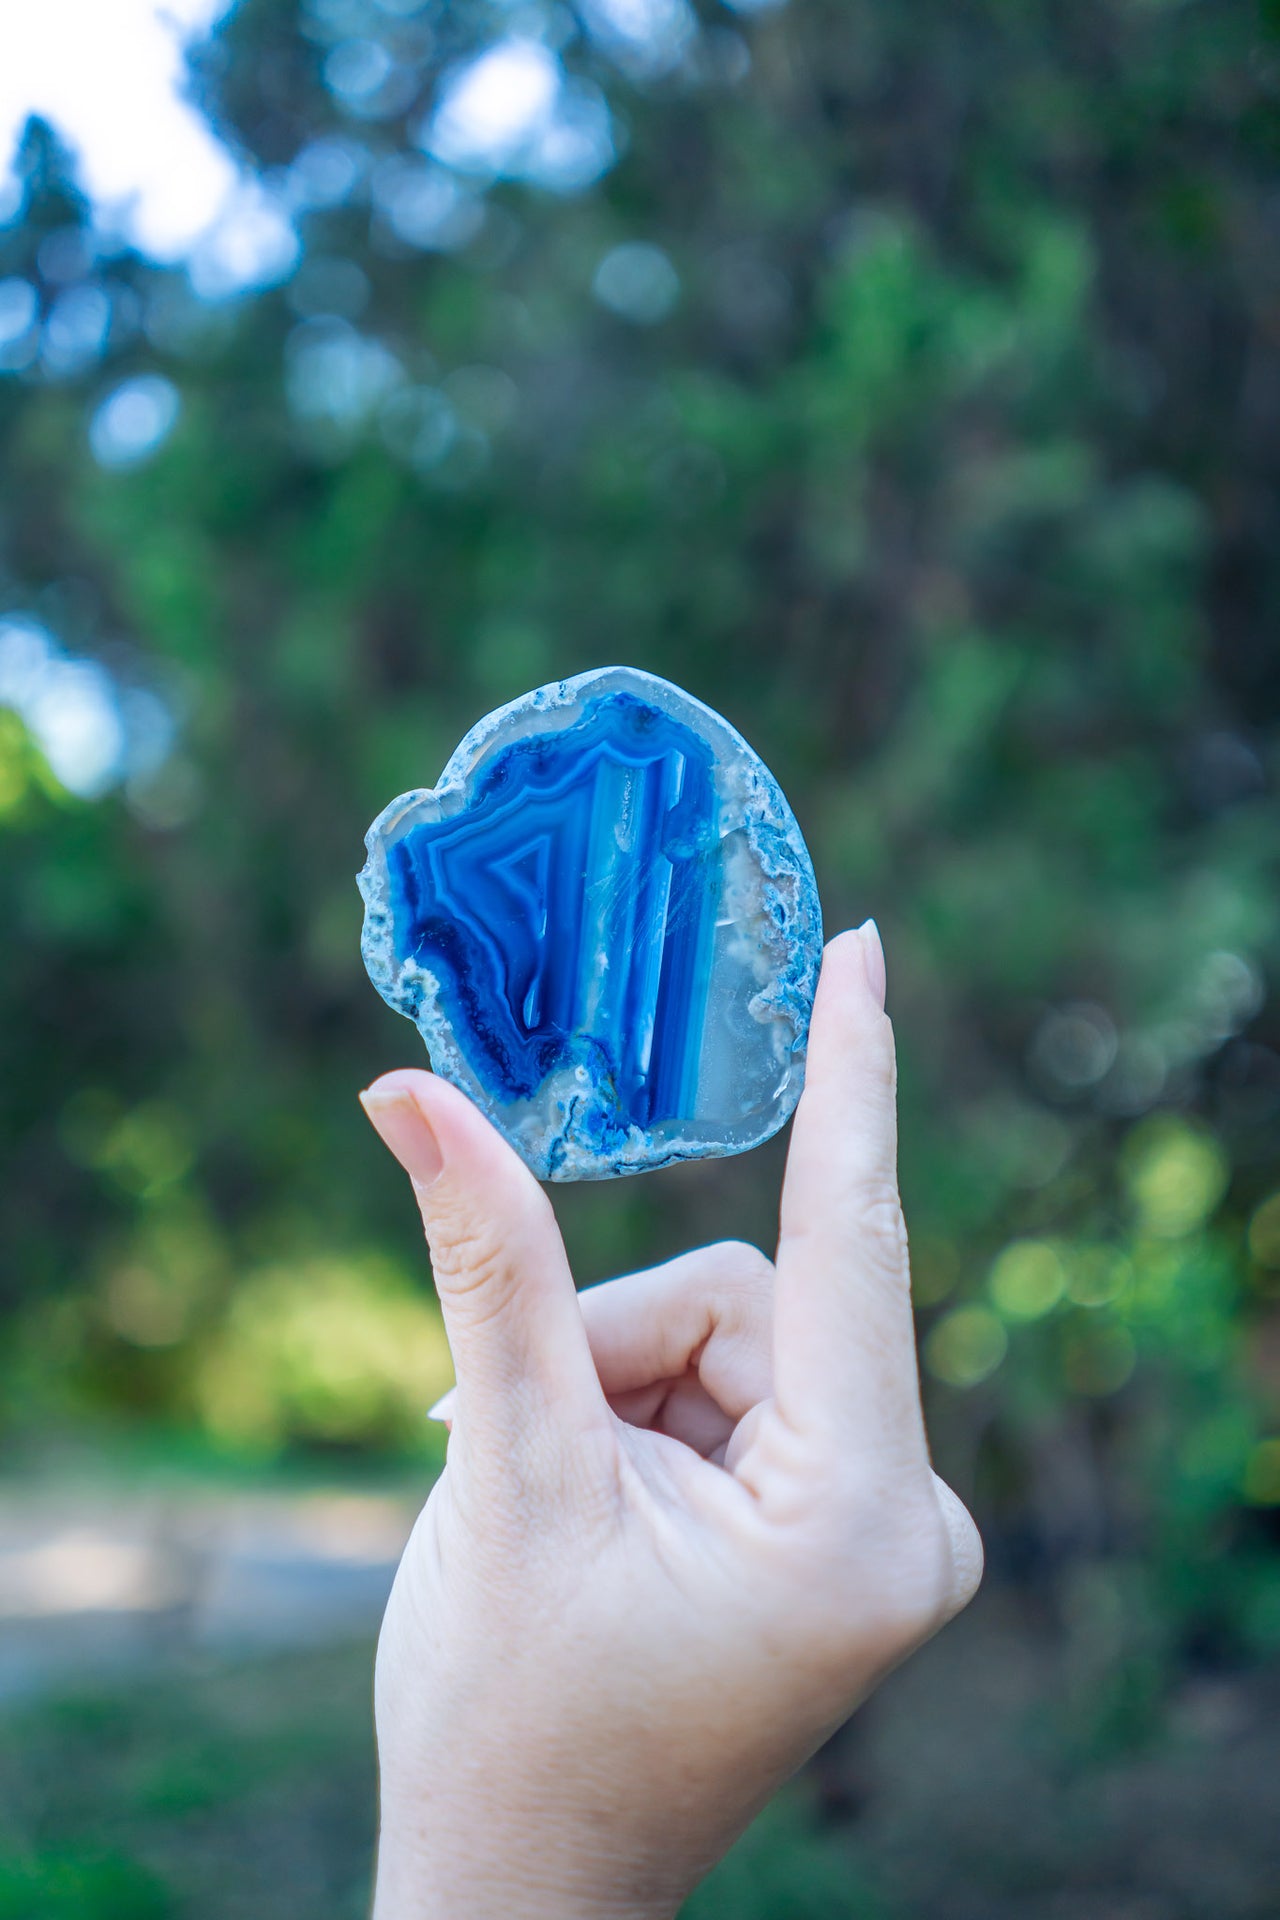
94,1581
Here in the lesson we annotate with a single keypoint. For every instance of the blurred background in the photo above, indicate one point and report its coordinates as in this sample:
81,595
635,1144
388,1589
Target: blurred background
906,384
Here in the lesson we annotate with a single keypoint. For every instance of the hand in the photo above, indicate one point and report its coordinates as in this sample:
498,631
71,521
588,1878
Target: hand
688,1519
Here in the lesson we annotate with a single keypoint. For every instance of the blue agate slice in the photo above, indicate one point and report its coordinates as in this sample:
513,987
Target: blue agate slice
605,924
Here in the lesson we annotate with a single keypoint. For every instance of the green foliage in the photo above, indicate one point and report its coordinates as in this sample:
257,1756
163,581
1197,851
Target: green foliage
784,1870
187,1775
330,1351
68,1889
244,1790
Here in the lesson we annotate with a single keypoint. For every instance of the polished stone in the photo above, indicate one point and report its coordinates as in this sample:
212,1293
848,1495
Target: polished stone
604,922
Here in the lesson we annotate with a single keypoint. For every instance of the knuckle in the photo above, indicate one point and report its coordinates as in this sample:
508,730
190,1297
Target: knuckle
880,1054
474,1253
882,1027
466,1254
883,1222
744,1269
743,1293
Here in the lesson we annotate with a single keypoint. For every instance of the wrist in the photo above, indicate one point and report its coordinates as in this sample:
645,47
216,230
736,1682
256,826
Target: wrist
480,1869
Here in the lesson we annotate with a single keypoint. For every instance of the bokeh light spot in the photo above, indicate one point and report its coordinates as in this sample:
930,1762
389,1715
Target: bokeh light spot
1230,992
645,37
90,732
76,331
326,172
965,1346
76,719
637,282
491,111
425,205
355,69
512,111
18,309
134,421
252,244
1074,1046
68,706
576,144
1096,1275
335,376
1176,1174
1027,1280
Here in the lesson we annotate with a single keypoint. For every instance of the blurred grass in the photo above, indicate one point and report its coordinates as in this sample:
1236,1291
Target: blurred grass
228,1790
249,1790
205,1790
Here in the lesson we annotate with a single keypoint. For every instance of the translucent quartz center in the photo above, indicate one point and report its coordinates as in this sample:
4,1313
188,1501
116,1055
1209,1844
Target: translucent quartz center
604,922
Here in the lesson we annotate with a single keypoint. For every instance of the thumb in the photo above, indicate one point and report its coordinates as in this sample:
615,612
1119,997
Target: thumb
515,1328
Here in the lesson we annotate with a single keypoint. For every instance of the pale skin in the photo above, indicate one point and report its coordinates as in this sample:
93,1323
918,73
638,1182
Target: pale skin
688,1519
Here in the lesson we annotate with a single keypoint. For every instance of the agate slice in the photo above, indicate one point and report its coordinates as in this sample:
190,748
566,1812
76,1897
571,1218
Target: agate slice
605,925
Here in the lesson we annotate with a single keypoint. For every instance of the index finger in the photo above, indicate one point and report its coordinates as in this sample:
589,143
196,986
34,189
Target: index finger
844,1338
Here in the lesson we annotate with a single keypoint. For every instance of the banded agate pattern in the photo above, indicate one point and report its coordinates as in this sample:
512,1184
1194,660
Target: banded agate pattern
604,922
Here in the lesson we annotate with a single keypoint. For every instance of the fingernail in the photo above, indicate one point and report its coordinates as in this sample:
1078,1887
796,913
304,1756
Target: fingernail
403,1127
873,959
443,1408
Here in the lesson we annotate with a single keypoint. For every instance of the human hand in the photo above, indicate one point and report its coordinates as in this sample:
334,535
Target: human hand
687,1522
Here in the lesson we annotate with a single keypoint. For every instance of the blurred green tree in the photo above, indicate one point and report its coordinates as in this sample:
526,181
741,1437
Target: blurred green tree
905,385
